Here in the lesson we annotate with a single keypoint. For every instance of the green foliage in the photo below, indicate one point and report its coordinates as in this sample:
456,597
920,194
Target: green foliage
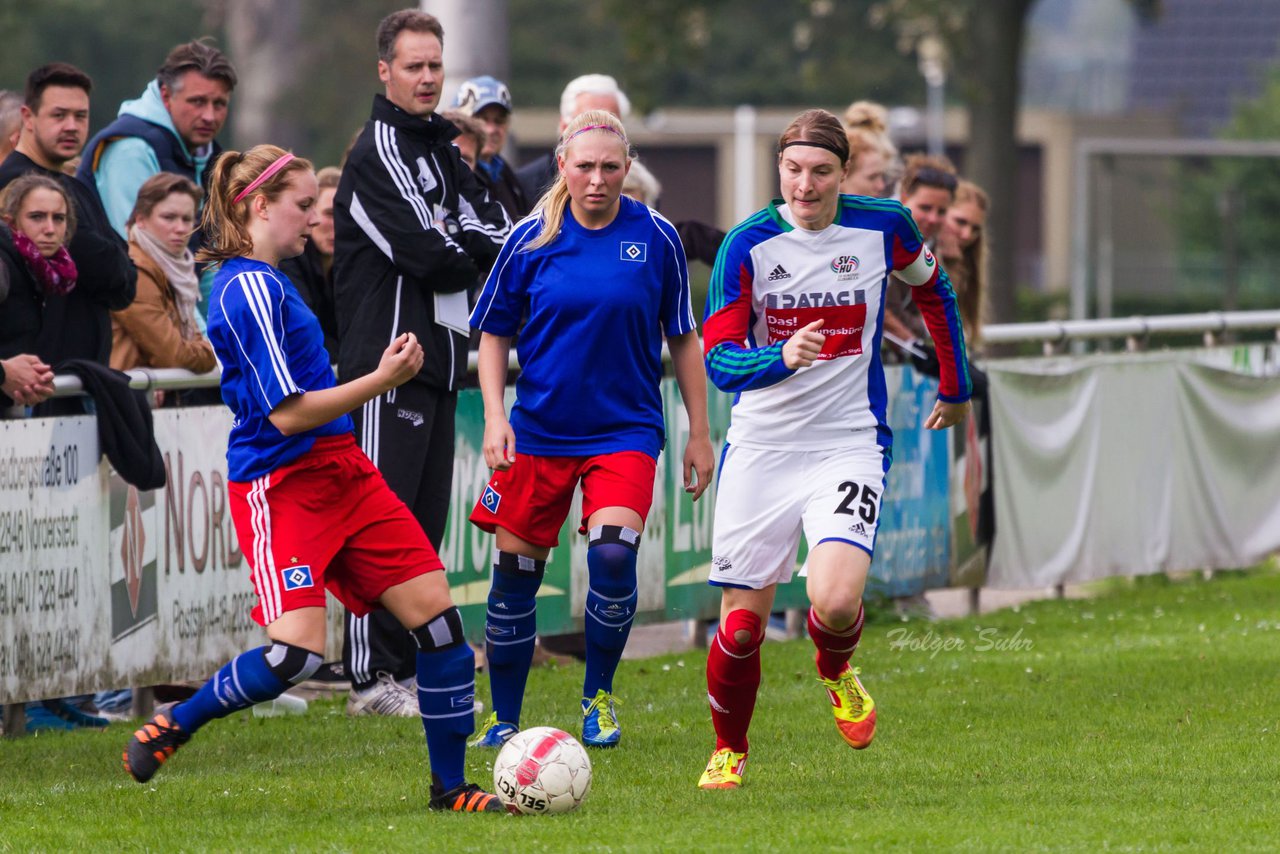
1232,204
119,45
710,52
1141,719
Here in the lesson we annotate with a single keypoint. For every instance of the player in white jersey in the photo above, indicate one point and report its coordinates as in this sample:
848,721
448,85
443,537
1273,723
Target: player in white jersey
793,326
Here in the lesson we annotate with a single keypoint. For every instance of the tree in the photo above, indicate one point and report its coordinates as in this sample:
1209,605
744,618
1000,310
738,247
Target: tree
985,38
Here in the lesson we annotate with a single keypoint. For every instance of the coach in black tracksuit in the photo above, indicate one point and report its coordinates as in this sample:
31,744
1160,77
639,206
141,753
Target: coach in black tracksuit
414,230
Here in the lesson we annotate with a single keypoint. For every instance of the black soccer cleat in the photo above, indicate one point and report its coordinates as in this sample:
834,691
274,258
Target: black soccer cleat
152,745
465,798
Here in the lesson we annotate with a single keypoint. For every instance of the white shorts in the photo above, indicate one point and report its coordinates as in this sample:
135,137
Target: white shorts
765,499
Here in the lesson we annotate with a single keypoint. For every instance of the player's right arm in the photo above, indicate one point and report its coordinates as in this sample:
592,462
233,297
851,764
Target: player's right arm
308,410
499,444
731,364
499,310
387,206
252,306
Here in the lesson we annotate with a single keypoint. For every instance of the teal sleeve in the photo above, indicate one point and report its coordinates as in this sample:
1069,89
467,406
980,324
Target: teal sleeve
124,168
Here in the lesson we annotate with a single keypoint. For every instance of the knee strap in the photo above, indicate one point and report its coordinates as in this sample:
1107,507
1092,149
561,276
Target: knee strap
444,631
290,663
618,534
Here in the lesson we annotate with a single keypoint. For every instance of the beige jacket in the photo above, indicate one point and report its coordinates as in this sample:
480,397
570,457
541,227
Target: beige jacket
148,334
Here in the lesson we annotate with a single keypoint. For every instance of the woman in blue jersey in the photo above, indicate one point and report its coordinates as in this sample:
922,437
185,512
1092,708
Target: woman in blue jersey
795,311
597,280
311,512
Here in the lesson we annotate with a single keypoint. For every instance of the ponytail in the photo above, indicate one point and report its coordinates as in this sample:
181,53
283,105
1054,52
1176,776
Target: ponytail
550,208
225,220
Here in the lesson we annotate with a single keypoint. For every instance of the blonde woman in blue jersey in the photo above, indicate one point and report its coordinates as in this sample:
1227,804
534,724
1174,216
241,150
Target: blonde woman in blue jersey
592,281
793,327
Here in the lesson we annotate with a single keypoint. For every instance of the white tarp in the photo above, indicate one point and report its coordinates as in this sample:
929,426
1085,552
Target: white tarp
1129,465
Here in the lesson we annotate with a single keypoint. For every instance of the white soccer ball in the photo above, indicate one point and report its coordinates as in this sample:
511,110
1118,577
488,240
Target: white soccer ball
542,770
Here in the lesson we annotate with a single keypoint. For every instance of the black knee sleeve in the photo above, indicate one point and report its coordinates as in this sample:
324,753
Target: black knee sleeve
292,664
444,631
520,566
615,534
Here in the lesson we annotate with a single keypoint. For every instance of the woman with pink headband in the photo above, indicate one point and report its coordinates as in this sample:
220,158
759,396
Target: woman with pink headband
311,511
592,281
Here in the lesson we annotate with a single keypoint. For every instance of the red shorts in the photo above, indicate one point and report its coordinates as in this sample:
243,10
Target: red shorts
532,498
326,520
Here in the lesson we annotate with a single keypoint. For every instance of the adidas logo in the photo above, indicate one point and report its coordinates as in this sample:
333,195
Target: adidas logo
779,274
858,528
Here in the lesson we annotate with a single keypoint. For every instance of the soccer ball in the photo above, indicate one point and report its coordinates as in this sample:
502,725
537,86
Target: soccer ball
542,770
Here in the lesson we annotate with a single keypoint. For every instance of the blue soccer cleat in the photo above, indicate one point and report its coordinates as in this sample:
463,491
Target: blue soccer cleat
600,720
493,733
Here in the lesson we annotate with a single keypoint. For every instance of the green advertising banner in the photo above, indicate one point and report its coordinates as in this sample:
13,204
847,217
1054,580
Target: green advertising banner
913,548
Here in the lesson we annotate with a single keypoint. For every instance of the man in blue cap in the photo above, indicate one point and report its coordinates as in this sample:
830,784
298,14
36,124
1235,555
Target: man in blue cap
489,100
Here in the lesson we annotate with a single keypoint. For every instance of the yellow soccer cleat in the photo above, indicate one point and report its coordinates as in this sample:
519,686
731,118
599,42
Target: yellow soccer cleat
854,710
724,770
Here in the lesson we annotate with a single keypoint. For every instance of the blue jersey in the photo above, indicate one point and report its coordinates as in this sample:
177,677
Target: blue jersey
596,304
271,347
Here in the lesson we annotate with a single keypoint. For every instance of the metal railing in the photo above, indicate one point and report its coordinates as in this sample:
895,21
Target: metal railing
1053,335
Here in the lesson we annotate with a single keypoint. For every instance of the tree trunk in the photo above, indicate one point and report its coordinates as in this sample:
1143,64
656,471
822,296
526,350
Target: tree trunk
997,38
264,45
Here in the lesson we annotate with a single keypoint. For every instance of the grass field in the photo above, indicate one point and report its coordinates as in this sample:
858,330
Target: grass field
1143,719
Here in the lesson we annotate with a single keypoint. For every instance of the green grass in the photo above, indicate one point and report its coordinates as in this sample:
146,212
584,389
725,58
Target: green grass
1143,719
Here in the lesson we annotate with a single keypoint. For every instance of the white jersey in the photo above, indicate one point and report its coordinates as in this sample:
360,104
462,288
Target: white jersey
771,279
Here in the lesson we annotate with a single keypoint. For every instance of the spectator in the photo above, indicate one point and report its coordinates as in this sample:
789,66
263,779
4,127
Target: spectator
38,218
641,184
171,127
10,121
160,329
470,138
413,229
489,100
962,246
312,271
588,92
871,152
928,188
55,120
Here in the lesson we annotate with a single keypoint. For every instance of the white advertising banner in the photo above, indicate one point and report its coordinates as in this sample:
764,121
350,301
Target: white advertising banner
1129,465
180,589
52,527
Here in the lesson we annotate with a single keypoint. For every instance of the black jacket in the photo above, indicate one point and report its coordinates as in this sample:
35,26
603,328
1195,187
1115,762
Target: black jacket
537,176
315,286
78,325
391,260
506,190
126,432
21,303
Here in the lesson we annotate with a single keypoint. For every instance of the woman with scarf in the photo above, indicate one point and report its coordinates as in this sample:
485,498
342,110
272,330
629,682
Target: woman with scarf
36,221
159,329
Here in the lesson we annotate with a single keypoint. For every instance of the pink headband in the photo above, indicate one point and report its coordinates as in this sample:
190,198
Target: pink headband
280,163
610,128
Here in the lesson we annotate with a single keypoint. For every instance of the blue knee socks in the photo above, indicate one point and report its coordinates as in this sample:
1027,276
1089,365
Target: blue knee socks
611,602
252,677
446,692
511,630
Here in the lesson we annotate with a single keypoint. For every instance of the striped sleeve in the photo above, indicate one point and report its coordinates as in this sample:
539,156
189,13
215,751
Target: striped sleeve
252,304
732,364
504,298
677,305
932,293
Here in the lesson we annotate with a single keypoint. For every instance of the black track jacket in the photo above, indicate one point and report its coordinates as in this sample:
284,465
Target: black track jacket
413,226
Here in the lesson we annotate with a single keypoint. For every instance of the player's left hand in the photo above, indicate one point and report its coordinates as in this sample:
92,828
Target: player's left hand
699,459
946,415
